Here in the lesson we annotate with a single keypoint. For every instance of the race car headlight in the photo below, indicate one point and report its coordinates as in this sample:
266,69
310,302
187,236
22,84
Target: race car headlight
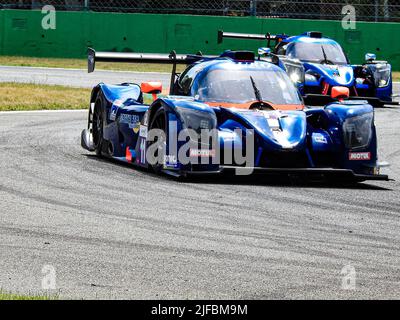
197,120
295,77
357,131
296,73
382,75
382,83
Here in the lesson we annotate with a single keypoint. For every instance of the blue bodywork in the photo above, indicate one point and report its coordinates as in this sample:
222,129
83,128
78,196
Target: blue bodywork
325,140
373,79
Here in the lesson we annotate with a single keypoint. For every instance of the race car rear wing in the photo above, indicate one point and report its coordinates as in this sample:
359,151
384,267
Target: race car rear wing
249,36
160,58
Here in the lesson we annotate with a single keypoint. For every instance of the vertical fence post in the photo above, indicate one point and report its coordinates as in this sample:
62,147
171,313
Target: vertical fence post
376,10
87,4
253,7
386,12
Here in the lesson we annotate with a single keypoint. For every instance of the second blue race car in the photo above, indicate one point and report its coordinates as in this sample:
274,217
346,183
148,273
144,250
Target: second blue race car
316,64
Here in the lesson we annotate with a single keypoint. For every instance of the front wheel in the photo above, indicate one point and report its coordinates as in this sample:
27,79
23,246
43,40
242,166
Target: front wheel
159,122
97,126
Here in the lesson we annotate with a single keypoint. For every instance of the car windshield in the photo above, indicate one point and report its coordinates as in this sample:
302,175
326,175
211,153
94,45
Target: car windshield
243,86
317,52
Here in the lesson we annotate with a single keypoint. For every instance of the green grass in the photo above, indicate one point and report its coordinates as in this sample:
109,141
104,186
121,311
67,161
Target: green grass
11,296
18,96
82,64
23,97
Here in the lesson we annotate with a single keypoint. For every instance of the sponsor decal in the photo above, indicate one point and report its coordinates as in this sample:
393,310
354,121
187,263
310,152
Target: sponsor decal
336,72
202,153
358,156
170,161
113,113
132,120
136,128
319,138
143,132
272,119
114,109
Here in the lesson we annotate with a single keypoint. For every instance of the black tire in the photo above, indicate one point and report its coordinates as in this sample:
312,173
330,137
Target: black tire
158,121
98,124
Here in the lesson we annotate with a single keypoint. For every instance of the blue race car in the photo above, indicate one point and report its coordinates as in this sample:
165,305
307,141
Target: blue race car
229,114
316,64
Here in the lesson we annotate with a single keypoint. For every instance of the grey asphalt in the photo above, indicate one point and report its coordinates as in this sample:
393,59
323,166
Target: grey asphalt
76,77
111,231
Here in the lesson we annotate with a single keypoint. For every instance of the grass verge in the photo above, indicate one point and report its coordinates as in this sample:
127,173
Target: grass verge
82,64
19,96
11,296
396,76
27,97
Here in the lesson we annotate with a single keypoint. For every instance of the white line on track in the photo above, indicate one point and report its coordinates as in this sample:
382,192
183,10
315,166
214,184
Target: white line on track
77,69
41,111
98,69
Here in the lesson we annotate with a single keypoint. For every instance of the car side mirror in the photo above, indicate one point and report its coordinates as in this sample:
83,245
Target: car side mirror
153,87
340,93
369,57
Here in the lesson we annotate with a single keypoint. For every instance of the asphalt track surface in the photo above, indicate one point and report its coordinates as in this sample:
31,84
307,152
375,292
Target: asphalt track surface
77,77
111,231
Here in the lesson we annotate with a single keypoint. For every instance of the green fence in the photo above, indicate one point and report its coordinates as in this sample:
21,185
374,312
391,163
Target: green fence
21,33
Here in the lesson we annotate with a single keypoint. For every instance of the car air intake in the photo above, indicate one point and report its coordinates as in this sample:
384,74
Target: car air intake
239,55
315,34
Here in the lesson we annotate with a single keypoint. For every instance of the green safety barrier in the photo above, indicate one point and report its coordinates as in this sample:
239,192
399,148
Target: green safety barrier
21,33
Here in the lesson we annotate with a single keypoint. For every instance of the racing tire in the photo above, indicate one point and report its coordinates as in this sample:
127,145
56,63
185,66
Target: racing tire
158,121
98,125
